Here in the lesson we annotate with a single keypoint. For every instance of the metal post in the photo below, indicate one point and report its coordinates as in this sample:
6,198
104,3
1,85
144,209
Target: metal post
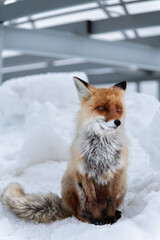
138,87
158,82
1,48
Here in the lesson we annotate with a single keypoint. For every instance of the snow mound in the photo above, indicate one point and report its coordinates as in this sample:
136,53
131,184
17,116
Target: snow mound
57,88
150,140
47,135
38,115
141,109
46,104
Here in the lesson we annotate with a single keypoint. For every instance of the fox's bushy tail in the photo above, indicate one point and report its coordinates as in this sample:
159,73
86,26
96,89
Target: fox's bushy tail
32,207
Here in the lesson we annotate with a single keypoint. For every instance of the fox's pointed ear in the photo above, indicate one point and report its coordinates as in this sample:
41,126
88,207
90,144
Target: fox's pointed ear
122,85
82,88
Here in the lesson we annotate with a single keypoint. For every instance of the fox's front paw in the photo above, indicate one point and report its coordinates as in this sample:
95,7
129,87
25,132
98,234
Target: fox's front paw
118,214
114,219
102,221
107,220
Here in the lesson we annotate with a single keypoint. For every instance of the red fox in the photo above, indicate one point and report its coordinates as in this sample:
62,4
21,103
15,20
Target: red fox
94,183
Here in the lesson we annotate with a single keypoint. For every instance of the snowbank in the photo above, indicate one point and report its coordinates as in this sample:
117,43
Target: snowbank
141,109
142,121
57,88
150,140
46,103
44,132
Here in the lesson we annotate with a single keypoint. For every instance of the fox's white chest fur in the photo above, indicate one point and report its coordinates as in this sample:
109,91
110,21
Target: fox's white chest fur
101,155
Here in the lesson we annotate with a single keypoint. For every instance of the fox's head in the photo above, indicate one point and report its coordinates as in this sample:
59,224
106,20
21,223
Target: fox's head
102,109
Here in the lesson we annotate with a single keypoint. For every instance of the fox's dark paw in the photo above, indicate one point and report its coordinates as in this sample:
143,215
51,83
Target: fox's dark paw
114,219
99,221
106,220
118,214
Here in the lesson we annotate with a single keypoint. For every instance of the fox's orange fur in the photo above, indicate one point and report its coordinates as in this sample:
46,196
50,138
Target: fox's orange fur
94,183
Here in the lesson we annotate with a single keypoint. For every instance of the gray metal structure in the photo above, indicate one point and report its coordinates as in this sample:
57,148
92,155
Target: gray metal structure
133,59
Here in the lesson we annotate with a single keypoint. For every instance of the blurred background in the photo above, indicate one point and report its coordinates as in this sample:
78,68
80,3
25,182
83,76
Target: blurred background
111,40
43,44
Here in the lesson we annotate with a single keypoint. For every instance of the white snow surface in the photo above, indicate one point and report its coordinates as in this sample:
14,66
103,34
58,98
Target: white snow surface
37,122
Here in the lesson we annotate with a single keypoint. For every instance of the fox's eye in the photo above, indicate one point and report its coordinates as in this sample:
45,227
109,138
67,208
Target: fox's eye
119,109
102,108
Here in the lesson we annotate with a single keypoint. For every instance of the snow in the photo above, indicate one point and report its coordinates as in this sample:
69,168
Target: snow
37,121
18,94
150,139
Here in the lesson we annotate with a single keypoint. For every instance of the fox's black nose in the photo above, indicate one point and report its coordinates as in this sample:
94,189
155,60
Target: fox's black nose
117,122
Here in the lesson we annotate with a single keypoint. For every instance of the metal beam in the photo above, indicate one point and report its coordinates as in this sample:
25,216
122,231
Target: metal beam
1,48
80,28
10,75
112,24
129,77
105,10
152,41
127,13
94,78
65,68
83,10
60,44
126,22
29,7
25,59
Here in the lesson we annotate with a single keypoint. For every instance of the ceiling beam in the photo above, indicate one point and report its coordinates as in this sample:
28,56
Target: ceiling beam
118,77
85,10
152,41
84,66
25,59
29,7
80,28
112,24
66,68
83,28
60,44
93,78
126,22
